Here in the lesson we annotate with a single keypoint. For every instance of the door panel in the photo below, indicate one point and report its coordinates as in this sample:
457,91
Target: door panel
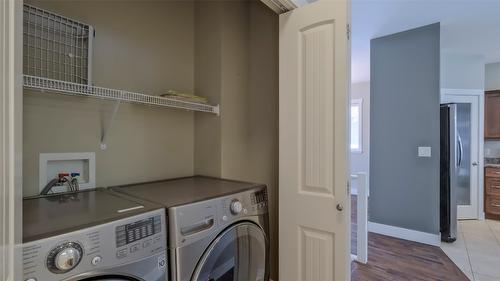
314,53
316,68
464,165
492,115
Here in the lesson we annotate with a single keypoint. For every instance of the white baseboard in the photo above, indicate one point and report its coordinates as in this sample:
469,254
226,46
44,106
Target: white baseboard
482,216
406,234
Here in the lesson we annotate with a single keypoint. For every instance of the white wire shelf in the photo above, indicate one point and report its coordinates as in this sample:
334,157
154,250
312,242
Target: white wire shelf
69,88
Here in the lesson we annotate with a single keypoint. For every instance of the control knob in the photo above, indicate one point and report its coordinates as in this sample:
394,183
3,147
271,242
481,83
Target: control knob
236,207
64,257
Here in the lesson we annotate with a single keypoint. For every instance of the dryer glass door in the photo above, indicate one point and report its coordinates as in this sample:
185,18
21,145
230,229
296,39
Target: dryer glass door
110,278
238,254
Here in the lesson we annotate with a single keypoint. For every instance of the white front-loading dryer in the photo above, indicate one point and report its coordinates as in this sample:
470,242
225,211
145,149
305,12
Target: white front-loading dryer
222,239
218,228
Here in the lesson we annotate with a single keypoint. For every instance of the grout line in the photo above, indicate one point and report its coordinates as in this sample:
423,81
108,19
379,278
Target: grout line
468,257
493,232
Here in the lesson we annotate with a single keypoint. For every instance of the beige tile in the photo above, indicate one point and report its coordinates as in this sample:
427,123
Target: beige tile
495,228
485,263
468,273
477,249
493,224
484,242
482,277
476,227
458,256
458,245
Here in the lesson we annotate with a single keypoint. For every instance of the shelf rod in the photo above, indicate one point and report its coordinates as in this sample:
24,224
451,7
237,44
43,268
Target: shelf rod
69,88
106,129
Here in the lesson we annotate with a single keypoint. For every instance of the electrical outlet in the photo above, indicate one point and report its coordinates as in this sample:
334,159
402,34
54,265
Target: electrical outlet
424,151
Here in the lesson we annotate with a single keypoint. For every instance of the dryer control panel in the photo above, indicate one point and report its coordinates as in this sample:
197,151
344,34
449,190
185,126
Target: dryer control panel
123,241
195,221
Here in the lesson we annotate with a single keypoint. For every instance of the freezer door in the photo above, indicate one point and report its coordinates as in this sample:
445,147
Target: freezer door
449,161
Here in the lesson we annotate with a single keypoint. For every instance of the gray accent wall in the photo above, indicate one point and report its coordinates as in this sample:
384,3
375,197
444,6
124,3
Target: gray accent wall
404,114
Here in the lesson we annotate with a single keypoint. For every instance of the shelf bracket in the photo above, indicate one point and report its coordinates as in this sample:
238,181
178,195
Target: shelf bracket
106,128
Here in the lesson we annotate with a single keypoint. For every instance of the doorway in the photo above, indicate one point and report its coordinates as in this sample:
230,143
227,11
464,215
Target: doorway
470,127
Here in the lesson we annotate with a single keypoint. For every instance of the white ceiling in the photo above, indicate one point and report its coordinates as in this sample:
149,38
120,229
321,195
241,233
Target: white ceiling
467,26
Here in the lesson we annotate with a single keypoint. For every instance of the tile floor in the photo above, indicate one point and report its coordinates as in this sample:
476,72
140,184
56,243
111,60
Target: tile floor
477,249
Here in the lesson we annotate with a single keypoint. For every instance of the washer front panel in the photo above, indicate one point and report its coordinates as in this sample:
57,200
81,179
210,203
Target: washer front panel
103,247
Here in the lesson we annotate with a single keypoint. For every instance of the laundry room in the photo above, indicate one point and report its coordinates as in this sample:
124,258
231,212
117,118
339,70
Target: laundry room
165,97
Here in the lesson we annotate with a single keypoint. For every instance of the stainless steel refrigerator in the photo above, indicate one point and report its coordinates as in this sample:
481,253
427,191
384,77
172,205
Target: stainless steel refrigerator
455,167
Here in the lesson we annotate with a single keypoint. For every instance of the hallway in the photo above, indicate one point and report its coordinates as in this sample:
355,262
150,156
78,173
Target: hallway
392,259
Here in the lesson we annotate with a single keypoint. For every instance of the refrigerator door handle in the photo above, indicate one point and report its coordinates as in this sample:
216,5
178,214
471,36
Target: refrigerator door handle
460,150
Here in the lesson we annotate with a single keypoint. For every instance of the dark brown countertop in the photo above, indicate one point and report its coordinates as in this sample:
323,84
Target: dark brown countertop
182,191
58,214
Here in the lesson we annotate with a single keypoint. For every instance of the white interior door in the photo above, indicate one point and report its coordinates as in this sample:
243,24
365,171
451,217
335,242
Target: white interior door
313,147
468,187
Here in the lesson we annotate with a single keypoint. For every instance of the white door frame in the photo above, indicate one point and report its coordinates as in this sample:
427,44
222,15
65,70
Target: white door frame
10,139
450,95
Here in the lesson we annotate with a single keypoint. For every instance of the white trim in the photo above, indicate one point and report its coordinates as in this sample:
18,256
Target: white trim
11,139
481,157
404,233
362,217
445,95
359,103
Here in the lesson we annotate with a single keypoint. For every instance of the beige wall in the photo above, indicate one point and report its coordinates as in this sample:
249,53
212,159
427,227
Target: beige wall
207,82
225,51
139,46
237,43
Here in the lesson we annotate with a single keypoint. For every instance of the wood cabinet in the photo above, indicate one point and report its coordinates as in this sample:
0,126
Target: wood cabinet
492,193
492,115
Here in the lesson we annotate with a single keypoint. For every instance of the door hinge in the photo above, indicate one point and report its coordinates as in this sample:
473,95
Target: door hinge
348,32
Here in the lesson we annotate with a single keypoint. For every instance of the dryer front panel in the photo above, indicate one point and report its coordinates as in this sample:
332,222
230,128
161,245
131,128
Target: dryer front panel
239,253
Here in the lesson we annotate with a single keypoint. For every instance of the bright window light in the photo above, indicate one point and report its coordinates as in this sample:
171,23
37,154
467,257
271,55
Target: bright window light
356,125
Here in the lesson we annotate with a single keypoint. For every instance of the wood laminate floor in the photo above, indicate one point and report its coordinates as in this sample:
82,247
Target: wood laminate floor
392,259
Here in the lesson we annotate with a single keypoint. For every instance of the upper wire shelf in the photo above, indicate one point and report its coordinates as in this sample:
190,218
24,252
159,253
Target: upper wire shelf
69,88
57,55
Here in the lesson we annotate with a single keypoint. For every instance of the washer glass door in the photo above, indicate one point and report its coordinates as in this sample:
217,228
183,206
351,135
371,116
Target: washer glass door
238,254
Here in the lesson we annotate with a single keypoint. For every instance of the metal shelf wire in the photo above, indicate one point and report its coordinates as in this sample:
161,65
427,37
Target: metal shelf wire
58,58
56,47
69,88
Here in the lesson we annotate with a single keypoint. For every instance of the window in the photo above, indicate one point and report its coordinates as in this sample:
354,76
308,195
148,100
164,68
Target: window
356,125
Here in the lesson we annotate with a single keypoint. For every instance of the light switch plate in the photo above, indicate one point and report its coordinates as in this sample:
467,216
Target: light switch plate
424,151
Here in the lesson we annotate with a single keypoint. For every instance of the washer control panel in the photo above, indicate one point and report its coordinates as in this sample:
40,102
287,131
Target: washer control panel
138,230
102,246
64,257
